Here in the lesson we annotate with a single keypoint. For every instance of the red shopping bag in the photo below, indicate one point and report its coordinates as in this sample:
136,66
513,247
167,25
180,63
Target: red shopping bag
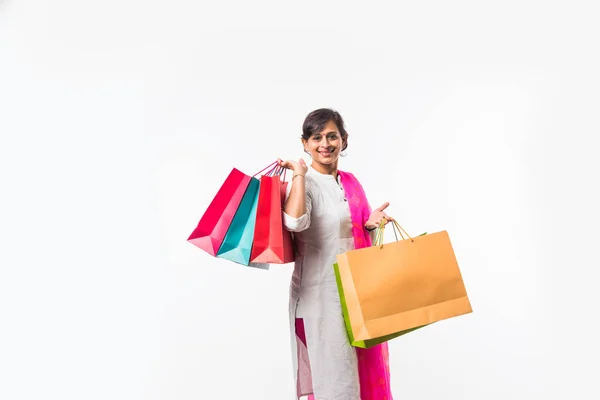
272,243
215,222
213,225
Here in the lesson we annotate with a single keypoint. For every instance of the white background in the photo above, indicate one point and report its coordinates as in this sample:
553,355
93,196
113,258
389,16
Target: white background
119,121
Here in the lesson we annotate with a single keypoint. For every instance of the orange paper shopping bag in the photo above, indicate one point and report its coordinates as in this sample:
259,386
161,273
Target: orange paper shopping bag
390,289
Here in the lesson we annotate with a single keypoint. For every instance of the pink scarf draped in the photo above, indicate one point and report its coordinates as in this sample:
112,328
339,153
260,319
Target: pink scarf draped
373,363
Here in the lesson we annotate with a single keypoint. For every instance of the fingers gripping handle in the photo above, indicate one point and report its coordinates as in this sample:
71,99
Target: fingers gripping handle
397,229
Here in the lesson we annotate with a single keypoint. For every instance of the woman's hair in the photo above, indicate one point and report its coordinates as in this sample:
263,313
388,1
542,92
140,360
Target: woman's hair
315,122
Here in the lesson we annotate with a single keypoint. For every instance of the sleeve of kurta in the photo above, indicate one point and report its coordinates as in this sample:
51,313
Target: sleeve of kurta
303,222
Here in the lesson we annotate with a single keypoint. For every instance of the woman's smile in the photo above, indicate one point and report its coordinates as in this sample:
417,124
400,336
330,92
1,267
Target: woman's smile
326,153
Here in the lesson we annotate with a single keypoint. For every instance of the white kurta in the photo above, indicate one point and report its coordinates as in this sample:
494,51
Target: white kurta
322,233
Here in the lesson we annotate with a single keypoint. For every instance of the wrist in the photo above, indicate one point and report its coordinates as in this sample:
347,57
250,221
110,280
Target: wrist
298,172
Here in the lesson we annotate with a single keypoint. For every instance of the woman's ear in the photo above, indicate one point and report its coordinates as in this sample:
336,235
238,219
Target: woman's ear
305,145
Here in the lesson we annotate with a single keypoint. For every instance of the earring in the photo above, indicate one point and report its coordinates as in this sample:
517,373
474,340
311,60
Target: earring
343,153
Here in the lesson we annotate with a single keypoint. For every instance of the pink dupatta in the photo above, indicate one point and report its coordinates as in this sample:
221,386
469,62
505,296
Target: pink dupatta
373,363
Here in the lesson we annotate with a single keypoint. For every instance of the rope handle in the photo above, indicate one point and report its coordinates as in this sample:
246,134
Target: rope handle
273,169
273,165
278,171
379,235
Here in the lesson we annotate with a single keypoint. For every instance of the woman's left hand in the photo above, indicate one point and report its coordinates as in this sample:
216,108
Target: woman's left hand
377,216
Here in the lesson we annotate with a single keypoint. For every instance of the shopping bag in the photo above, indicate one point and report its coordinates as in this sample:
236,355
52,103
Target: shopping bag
364,344
272,243
210,231
388,290
237,244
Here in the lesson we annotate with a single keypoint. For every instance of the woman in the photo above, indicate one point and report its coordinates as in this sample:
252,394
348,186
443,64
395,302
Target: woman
328,213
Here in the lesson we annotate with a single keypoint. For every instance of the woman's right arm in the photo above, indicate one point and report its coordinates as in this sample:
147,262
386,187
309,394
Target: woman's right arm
297,207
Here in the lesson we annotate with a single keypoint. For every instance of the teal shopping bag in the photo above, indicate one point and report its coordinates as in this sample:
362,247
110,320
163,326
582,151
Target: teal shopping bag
237,244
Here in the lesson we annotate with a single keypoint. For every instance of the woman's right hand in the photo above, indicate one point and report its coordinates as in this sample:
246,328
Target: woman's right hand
299,167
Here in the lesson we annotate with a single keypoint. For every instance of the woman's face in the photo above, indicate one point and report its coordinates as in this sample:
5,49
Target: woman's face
325,147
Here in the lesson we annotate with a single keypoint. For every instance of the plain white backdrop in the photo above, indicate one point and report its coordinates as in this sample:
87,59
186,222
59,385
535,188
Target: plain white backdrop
119,121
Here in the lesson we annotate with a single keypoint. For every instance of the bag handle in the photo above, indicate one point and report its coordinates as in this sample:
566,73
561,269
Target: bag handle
397,229
278,170
379,234
275,170
267,167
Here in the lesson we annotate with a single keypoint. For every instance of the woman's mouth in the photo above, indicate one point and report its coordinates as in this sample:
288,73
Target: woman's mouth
326,153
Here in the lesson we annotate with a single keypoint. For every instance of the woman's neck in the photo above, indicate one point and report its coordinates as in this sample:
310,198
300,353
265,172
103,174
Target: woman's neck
326,169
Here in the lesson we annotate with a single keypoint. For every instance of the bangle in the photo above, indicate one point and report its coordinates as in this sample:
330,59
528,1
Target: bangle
372,229
295,175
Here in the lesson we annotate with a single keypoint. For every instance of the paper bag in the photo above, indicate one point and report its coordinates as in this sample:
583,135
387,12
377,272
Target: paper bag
391,289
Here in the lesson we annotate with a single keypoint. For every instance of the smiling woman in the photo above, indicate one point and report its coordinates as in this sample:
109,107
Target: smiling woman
324,123
328,213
